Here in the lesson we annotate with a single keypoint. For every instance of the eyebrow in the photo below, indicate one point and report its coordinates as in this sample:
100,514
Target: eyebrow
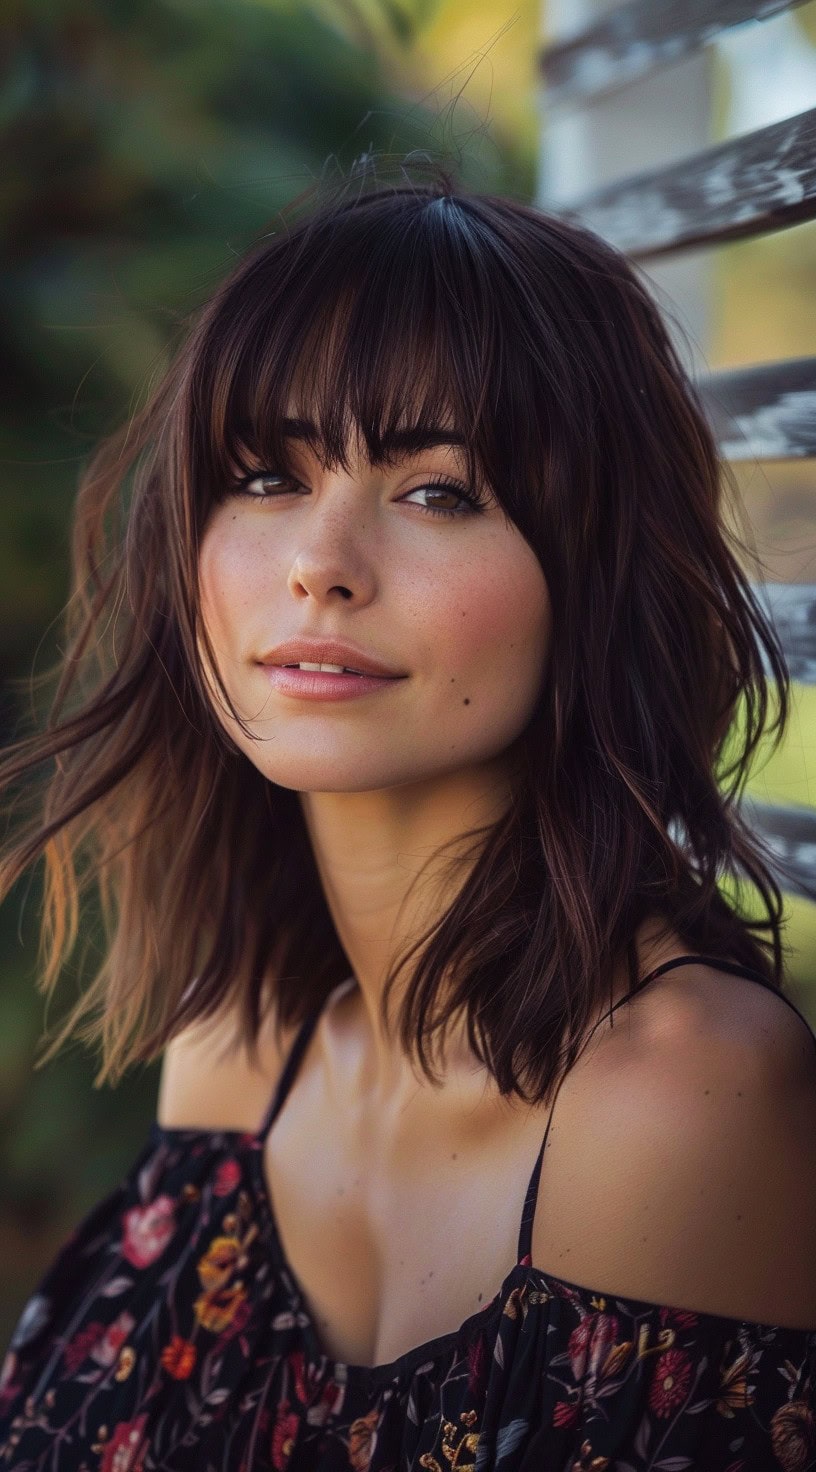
407,441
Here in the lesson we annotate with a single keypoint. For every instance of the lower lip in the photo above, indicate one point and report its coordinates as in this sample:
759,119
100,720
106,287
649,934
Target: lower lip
322,685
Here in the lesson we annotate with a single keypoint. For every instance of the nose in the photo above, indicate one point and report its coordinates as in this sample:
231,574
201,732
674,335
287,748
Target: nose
330,558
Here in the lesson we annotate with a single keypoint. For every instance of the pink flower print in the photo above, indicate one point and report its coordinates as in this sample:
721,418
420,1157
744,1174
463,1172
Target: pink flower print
106,1349
147,1231
227,1177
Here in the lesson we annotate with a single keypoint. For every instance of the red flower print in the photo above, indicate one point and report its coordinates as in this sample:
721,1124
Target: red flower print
565,1413
683,1318
240,1318
125,1452
283,1436
106,1349
81,1345
590,1343
304,1377
333,1396
477,1366
227,1177
178,1358
147,1231
670,1384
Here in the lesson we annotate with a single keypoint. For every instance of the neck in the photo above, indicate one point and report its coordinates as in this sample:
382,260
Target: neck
391,863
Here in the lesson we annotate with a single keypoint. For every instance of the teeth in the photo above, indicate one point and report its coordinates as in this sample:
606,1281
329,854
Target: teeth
333,669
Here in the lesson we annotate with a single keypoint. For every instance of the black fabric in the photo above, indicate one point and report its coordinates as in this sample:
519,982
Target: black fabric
170,1333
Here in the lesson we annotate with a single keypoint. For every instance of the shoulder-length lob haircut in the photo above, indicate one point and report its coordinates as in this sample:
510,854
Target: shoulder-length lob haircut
375,305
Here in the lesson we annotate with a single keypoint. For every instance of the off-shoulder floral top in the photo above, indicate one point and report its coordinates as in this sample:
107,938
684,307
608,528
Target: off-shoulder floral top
170,1333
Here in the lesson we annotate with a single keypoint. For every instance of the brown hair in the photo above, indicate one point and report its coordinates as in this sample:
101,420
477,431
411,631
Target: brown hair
551,357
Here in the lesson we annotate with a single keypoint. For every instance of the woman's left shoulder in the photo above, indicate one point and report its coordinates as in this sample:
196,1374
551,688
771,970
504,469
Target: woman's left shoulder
692,1180
700,1006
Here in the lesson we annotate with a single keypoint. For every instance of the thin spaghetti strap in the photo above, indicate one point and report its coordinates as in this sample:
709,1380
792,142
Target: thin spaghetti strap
525,1238
290,1068
735,969
287,1076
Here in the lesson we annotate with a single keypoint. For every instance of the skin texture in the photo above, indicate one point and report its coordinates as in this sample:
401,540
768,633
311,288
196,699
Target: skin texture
458,603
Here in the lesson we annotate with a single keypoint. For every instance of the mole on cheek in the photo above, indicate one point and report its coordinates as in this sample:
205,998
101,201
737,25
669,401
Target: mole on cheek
466,701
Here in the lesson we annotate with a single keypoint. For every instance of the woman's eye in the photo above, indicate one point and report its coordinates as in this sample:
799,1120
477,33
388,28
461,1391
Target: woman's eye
443,488
244,487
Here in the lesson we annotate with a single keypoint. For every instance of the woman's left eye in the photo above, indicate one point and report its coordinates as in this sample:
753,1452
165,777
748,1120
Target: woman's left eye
469,500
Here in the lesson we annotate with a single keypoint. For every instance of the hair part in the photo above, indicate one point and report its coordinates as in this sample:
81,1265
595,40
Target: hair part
536,342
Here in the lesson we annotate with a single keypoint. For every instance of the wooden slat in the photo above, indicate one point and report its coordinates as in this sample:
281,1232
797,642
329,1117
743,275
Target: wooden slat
791,834
766,412
763,181
635,39
792,609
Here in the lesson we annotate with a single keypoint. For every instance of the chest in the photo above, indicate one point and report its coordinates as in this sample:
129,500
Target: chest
397,1236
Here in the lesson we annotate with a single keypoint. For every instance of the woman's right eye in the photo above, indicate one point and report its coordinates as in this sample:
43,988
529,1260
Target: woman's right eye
244,486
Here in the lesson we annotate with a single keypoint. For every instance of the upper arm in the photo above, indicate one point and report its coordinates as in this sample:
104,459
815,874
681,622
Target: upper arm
694,1180
207,1080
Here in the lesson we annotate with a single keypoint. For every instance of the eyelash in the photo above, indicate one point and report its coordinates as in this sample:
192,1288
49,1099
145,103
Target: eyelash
474,501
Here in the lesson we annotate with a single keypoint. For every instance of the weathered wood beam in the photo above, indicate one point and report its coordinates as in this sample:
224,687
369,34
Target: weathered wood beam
636,39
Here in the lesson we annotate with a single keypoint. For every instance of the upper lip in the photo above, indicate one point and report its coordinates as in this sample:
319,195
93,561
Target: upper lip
328,651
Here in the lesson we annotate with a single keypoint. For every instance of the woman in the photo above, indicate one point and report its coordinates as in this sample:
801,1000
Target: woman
393,722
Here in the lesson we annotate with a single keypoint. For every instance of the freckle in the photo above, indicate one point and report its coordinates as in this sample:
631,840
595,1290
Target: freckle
341,1190
454,1156
707,1091
739,1218
466,701
739,1093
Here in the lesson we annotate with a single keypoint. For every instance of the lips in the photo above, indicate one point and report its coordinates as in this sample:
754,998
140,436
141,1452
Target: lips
316,650
334,670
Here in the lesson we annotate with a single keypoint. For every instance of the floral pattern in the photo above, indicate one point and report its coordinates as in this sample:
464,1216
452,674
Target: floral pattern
170,1334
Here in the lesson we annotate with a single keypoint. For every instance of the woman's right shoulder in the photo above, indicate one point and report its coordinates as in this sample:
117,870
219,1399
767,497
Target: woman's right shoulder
207,1080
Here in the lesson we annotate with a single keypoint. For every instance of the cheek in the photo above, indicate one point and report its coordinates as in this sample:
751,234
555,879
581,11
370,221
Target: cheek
228,569
495,627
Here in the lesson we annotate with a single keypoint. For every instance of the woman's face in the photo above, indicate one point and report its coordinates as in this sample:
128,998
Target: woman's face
455,603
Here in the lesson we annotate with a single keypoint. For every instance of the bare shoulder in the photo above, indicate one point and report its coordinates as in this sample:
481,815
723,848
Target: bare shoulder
684,1169
208,1080
698,1001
